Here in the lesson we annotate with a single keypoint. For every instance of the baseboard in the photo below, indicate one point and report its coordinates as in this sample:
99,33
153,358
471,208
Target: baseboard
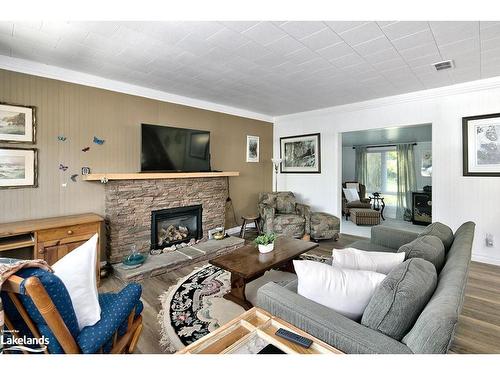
485,259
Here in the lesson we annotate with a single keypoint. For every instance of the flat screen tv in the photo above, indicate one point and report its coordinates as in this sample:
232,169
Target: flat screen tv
165,148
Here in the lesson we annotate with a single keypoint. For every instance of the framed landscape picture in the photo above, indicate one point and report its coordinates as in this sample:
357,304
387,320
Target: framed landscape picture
301,154
18,167
481,145
17,123
253,149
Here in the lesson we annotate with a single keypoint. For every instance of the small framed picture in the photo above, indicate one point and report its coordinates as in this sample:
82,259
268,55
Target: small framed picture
17,123
253,149
481,145
18,167
301,154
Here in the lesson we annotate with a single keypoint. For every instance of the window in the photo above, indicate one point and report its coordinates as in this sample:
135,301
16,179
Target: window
382,173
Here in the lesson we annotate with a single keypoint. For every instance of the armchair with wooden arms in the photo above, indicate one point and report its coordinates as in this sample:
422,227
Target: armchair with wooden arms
36,303
281,214
363,201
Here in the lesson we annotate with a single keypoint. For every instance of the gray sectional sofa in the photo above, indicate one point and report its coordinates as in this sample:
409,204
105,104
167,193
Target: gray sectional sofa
434,327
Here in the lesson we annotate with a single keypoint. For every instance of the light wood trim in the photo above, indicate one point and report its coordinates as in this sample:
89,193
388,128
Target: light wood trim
126,339
48,310
135,338
16,243
12,284
155,176
28,226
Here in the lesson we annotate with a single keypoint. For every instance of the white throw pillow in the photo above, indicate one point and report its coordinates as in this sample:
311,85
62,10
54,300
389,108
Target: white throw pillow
351,195
352,185
343,290
366,260
77,272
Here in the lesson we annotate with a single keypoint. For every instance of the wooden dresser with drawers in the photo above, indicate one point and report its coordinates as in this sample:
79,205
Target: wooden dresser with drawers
49,239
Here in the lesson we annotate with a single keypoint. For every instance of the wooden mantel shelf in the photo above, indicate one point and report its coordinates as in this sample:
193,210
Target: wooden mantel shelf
104,177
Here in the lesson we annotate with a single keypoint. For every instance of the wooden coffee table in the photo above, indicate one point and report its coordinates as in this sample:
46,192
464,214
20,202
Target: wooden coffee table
251,332
247,264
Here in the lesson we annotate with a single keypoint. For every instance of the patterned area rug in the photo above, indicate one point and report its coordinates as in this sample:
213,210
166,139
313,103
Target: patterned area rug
195,306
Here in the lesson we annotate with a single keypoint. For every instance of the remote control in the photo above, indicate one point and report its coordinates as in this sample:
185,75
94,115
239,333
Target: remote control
293,337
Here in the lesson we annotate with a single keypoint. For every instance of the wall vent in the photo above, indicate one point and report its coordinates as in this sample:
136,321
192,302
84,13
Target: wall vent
442,65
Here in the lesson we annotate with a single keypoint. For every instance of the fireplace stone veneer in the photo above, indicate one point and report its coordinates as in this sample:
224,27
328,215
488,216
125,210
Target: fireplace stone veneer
129,204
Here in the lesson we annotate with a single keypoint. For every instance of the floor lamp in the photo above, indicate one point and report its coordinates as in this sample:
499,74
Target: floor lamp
276,162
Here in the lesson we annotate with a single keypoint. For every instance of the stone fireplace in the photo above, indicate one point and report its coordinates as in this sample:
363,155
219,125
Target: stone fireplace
131,205
175,226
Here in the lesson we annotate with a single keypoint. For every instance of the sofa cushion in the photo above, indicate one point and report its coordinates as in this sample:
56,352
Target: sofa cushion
285,203
440,230
355,259
343,290
427,247
400,298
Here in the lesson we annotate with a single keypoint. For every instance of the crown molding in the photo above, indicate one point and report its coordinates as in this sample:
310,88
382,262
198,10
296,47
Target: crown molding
457,89
67,75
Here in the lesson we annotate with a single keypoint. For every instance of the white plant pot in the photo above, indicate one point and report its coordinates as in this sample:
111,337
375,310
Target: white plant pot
266,248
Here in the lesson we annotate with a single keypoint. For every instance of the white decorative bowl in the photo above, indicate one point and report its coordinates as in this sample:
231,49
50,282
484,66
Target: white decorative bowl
266,248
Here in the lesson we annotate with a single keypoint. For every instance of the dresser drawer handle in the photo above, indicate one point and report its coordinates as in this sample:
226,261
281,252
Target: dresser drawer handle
70,232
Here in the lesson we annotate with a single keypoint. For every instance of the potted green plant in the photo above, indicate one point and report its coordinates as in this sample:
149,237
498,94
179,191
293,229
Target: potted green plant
265,242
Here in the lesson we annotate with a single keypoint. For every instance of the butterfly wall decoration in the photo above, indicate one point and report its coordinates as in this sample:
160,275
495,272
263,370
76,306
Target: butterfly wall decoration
85,149
73,177
63,167
98,141
61,138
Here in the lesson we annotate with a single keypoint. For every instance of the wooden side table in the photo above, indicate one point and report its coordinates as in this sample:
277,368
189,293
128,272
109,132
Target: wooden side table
248,220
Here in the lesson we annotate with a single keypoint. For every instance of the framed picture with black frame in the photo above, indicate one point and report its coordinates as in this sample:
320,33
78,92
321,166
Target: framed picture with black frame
481,145
301,153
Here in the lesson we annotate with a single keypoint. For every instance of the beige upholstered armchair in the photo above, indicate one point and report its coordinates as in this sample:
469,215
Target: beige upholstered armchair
362,203
281,214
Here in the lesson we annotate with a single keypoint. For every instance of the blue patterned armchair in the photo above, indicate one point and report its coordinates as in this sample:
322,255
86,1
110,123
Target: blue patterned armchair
37,304
281,214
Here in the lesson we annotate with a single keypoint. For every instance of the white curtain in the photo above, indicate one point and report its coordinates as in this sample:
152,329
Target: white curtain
361,165
406,180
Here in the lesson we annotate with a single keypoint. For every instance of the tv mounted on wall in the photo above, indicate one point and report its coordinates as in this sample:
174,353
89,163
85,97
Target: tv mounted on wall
169,149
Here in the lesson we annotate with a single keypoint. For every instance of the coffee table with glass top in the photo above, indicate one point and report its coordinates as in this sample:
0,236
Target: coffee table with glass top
247,264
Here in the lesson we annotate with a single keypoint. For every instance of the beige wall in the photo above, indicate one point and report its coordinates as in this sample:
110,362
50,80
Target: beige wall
80,112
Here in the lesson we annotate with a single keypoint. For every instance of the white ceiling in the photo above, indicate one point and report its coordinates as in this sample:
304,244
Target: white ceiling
273,68
415,133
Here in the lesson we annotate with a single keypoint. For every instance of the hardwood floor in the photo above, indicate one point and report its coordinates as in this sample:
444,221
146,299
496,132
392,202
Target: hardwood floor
478,330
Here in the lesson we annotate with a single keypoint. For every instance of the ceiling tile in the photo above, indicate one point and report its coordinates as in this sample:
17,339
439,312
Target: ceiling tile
384,55
401,29
285,45
321,39
451,50
373,46
228,38
362,33
414,53
341,26
302,29
450,31
414,40
239,26
264,33
336,51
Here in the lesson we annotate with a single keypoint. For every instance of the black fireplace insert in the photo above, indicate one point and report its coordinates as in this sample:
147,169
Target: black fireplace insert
173,226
